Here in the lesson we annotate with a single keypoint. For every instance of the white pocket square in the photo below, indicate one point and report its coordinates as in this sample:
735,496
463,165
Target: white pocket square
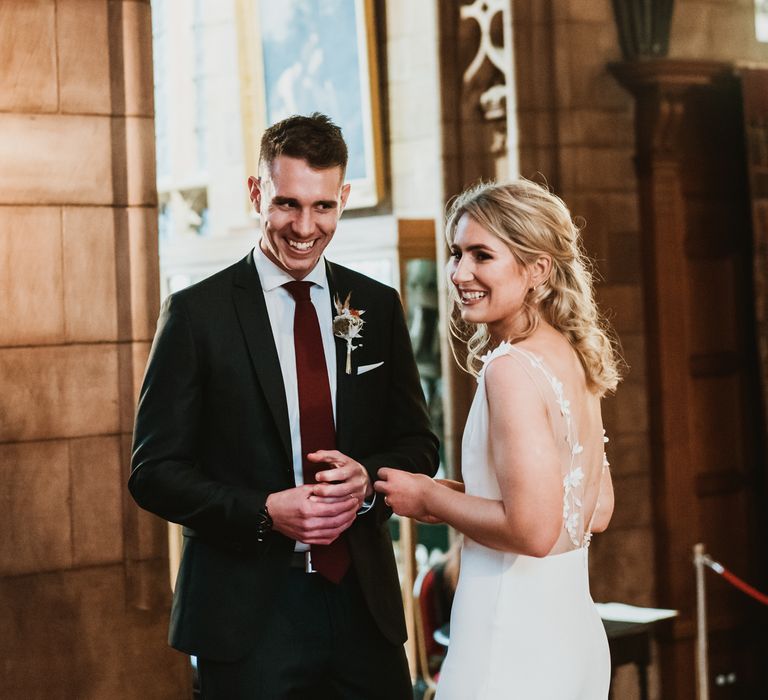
362,369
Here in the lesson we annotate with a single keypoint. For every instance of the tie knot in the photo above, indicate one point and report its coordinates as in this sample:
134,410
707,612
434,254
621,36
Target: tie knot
298,290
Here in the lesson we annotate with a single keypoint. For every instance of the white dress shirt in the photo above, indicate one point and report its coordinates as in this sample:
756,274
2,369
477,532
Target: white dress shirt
280,309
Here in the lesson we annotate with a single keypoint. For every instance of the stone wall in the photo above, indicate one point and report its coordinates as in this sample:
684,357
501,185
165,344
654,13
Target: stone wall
84,587
718,30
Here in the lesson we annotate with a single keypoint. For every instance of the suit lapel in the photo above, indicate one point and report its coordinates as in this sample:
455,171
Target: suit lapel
254,321
344,383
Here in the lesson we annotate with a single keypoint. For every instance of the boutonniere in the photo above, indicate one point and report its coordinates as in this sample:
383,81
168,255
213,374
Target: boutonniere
348,325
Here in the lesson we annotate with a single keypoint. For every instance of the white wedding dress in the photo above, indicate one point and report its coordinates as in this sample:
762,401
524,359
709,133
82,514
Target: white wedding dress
526,628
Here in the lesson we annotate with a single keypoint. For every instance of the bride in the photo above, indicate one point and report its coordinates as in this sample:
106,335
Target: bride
536,483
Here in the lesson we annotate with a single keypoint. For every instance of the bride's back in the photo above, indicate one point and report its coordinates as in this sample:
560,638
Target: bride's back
577,427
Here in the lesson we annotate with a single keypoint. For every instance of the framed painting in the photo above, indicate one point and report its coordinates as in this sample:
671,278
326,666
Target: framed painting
299,57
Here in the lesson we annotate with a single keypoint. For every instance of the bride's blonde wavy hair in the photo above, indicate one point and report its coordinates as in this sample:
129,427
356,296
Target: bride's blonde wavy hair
532,221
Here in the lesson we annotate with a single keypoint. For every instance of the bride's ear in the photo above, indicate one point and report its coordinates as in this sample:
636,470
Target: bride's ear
540,270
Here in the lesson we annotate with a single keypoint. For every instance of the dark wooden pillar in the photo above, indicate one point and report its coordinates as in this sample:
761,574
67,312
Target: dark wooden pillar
702,372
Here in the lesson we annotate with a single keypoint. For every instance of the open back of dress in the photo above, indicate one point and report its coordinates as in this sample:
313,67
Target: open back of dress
525,627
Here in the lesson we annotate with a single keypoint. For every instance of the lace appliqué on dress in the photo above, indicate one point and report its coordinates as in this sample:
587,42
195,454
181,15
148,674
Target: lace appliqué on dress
573,479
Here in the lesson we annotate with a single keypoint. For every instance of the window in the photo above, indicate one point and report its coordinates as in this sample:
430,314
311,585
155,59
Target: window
761,20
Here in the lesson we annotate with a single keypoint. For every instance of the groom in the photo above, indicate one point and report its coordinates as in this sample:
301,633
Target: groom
264,415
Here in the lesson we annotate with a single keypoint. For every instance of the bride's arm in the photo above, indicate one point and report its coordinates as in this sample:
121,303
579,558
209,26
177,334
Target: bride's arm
451,484
528,519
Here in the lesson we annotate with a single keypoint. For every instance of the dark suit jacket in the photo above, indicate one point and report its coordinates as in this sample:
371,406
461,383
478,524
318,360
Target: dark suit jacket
212,440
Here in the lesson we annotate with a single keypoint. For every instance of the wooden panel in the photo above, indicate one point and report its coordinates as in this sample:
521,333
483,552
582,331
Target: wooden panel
716,413
711,315
715,364
754,84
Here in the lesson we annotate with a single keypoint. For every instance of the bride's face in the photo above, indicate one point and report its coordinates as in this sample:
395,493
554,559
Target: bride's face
490,282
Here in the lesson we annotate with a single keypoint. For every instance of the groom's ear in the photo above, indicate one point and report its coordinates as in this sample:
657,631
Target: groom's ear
254,191
344,195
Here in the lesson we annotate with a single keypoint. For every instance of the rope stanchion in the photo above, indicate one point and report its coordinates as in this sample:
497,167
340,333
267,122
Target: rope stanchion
734,580
700,560
702,664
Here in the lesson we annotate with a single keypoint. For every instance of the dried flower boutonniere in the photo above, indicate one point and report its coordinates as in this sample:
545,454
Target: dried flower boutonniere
348,325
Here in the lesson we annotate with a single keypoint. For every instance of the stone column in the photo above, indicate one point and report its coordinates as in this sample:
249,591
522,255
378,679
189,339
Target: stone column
83,575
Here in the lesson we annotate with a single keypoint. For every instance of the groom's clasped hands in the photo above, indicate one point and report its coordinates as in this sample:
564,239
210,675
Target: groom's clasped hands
319,513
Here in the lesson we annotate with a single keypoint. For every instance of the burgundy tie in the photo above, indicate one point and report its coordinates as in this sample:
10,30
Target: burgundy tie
315,416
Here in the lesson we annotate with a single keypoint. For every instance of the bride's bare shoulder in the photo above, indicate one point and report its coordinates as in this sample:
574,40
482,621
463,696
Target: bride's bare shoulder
514,390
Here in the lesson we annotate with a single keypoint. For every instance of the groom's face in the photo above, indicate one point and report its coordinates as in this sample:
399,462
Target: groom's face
299,207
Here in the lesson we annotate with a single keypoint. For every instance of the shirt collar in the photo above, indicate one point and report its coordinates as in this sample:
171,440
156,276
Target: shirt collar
272,276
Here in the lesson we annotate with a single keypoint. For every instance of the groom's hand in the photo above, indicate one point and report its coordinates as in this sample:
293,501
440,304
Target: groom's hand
344,478
301,516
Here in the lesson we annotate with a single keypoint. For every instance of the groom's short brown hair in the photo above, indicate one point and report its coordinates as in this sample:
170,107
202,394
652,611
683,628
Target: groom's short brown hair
315,139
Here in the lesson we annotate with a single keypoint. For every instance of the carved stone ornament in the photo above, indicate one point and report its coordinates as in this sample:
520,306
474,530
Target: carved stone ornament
493,101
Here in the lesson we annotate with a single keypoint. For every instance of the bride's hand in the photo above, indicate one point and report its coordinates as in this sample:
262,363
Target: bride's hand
405,493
